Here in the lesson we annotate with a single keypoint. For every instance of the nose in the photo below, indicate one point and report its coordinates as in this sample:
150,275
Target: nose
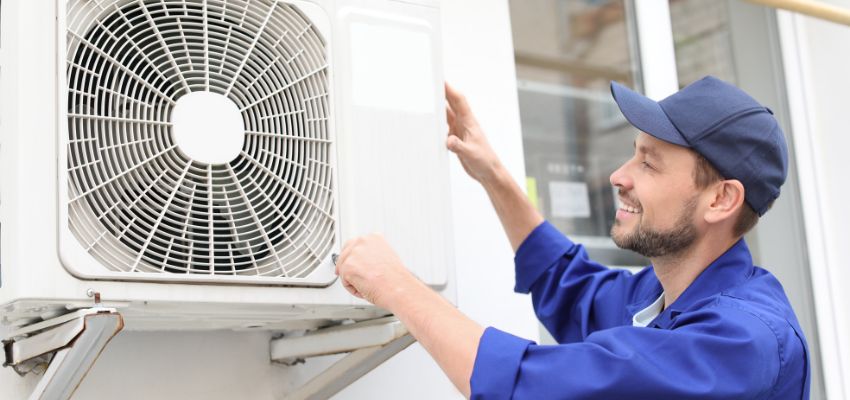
620,178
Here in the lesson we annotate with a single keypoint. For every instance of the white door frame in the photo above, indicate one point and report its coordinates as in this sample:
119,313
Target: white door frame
655,44
825,288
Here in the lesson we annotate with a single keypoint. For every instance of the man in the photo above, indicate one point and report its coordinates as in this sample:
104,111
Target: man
700,322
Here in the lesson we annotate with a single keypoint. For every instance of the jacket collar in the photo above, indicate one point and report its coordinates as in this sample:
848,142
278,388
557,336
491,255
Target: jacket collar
732,268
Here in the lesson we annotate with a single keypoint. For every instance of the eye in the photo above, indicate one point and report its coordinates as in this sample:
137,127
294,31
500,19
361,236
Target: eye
645,164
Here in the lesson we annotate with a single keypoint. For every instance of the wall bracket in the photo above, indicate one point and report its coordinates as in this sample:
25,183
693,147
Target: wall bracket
75,341
369,343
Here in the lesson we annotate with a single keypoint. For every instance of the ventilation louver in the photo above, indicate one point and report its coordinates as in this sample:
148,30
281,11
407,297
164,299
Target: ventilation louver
139,200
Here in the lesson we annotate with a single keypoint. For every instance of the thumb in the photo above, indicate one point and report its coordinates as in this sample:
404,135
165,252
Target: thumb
456,145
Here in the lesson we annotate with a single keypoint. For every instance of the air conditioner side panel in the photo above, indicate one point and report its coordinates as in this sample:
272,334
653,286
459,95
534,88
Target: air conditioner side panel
7,108
393,163
27,133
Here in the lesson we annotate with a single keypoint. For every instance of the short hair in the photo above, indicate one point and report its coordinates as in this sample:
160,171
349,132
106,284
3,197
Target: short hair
705,174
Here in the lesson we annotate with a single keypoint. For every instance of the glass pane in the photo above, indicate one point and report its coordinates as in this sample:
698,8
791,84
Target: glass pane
702,40
567,52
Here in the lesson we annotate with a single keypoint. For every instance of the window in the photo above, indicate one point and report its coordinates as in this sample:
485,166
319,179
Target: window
574,136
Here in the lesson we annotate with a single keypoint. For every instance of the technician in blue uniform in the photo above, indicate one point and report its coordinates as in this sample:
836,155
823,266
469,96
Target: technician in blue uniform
702,322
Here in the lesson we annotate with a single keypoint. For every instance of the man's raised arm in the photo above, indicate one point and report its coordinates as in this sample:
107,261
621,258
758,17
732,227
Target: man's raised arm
467,141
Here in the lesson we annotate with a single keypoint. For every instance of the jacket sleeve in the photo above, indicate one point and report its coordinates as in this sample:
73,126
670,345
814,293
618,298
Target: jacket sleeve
716,354
572,295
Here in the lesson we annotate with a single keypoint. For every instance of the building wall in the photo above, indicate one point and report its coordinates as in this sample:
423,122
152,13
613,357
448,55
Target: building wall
232,365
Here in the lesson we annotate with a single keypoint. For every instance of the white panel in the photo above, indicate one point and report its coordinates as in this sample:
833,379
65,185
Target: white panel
393,164
393,68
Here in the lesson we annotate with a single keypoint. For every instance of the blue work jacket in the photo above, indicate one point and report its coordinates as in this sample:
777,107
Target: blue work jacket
730,335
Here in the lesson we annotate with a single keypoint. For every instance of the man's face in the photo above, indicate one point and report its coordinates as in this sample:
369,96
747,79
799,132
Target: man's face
658,199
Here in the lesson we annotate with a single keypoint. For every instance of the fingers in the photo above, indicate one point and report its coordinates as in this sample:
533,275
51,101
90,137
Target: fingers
453,132
351,289
346,251
347,248
345,275
457,101
456,145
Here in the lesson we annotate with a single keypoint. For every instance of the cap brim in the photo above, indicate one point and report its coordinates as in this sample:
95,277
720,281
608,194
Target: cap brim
646,114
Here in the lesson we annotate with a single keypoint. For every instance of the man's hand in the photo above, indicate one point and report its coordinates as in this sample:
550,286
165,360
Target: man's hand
467,140
371,270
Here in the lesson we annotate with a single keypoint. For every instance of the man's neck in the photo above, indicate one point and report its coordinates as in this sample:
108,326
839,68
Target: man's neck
677,271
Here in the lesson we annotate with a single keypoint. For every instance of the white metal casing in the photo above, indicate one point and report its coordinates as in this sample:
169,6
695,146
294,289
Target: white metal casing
391,175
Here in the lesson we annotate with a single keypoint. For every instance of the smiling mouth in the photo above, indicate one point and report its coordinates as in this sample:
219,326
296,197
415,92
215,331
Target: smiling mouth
626,204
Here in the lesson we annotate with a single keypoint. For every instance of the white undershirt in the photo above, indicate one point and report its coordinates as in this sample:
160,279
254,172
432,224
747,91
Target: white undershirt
645,316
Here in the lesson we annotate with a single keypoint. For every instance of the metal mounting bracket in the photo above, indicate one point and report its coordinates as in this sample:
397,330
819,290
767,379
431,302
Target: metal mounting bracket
369,343
75,341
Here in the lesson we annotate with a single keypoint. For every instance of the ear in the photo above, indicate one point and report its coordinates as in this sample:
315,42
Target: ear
726,199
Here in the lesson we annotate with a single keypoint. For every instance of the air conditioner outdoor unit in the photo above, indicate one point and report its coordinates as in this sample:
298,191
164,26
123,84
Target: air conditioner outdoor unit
198,162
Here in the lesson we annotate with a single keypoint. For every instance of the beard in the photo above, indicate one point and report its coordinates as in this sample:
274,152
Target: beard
650,243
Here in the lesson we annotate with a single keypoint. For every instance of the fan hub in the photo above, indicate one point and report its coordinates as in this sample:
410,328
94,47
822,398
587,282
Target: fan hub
208,127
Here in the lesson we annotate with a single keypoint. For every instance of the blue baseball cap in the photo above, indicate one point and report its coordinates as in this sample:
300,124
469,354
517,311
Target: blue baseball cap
736,134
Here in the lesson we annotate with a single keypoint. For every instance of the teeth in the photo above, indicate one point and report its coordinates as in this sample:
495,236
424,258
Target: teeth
633,210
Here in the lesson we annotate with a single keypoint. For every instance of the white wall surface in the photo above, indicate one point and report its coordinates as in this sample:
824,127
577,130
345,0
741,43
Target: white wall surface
817,64
231,365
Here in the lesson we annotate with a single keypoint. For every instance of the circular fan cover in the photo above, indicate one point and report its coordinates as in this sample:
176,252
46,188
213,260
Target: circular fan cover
139,200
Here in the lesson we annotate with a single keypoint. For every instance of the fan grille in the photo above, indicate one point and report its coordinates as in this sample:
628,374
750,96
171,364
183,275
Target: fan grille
136,202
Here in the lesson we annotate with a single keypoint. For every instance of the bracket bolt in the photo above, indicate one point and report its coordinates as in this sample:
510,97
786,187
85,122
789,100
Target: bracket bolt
96,295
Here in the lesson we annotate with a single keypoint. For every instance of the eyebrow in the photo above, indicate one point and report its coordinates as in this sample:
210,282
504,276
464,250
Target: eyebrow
649,150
